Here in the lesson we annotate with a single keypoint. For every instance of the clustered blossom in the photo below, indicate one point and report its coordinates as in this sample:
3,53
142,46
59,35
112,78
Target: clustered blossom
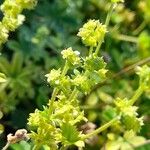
144,74
129,115
3,33
53,76
53,125
125,108
13,18
71,56
92,32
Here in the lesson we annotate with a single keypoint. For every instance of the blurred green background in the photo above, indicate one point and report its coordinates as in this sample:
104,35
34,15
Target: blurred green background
34,49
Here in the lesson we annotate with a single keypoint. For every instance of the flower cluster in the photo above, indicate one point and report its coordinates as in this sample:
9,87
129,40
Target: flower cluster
56,125
71,56
128,115
13,18
92,33
63,113
144,74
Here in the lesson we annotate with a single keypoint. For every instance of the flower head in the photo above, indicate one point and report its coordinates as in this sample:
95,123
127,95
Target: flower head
71,56
92,32
144,74
54,76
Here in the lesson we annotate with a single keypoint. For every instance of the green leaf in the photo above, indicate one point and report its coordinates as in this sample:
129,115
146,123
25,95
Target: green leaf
21,146
17,63
132,138
94,63
131,123
70,134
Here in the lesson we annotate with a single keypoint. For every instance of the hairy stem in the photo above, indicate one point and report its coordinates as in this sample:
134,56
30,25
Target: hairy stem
109,14
90,51
137,94
56,90
100,129
126,38
65,69
107,24
139,28
98,46
74,94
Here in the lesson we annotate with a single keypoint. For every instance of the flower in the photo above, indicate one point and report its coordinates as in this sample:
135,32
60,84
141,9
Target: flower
92,32
71,56
53,76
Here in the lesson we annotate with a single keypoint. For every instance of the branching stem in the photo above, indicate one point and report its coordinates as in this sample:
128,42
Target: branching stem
139,28
90,51
109,14
98,46
100,129
74,94
56,90
137,94
126,38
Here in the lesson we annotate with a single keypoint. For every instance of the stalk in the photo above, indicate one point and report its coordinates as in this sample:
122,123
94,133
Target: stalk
109,14
139,28
127,38
107,24
137,94
56,90
100,129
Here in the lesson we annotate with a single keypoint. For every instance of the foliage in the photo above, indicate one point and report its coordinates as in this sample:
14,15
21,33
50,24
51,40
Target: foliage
37,44
62,120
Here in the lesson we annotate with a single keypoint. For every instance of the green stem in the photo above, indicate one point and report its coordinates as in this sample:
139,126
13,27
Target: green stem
56,90
74,94
126,38
65,69
91,50
100,129
107,24
109,15
98,47
137,94
139,28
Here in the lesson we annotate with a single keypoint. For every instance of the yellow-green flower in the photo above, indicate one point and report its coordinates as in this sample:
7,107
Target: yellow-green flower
92,32
71,56
13,18
3,33
53,76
